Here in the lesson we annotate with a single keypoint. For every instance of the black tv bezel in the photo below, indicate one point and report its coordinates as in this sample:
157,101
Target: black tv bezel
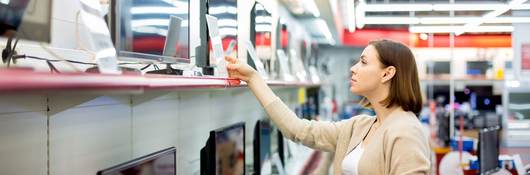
115,34
480,144
140,160
257,144
208,152
206,46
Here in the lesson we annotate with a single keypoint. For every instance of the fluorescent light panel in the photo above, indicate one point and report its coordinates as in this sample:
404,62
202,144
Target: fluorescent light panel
442,20
466,7
454,29
396,7
440,7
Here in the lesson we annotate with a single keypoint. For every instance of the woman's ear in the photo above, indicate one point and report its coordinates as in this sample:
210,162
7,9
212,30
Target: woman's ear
388,74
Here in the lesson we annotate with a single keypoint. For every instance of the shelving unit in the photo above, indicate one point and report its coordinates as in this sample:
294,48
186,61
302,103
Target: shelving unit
18,80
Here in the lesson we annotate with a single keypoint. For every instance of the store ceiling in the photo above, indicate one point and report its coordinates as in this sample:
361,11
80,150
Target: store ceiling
418,16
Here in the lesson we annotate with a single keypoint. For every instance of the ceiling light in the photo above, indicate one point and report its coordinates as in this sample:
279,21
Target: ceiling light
469,26
396,7
391,20
424,36
466,7
522,7
454,29
360,14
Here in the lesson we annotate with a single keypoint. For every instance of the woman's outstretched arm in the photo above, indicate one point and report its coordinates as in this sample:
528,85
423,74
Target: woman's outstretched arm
315,134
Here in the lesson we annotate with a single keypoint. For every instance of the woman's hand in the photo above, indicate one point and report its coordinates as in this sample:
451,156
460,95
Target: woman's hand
240,70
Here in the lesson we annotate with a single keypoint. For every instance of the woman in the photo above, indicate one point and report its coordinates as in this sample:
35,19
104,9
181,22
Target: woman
392,142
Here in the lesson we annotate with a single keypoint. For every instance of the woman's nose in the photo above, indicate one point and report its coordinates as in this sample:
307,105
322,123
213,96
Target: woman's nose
352,69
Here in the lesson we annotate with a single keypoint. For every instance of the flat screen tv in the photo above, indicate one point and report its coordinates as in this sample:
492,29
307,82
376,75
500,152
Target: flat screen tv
262,148
162,162
226,13
224,152
156,30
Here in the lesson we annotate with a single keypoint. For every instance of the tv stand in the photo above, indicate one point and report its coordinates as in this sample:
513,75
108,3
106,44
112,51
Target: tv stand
168,71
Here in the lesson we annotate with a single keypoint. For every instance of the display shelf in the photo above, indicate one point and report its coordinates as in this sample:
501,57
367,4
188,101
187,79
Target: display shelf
28,80
14,80
278,83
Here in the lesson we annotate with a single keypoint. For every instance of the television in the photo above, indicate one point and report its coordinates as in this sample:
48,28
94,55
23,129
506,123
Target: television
224,152
478,67
162,162
439,67
262,148
488,102
488,150
226,13
261,33
152,30
29,19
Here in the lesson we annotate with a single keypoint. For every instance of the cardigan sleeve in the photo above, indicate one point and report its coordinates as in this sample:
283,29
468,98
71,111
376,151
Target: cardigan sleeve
320,135
408,152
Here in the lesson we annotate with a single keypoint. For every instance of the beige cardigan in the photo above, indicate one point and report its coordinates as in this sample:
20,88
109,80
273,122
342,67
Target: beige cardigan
399,146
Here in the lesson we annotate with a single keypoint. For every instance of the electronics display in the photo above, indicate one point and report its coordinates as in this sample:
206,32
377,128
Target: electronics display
159,163
488,150
29,19
262,148
439,67
488,102
261,33
224,152
478,67
516,103
226,13
152,29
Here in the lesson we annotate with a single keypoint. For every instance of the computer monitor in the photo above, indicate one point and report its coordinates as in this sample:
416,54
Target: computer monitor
262,147
154,30
478,67
29,19
488,102
261,33
226,13
159,163
224,152
488,150
439,67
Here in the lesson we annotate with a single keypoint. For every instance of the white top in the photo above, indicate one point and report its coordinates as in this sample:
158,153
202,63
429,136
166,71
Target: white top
351,161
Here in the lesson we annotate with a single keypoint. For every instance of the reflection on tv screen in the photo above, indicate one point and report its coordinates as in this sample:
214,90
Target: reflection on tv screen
230,153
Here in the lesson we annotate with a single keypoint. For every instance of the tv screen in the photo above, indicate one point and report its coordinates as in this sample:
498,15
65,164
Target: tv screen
153,29
262,148
488,151
263,32
11,13
226,13
159,163
439,67
478,67
29,19
224,153
488,103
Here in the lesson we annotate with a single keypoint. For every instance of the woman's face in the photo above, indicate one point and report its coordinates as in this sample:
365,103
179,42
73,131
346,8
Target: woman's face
367,73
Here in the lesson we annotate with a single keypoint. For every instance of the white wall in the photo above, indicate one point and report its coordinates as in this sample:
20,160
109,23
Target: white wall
88,133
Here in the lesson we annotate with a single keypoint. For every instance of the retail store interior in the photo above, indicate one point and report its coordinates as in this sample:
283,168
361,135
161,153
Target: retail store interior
141,86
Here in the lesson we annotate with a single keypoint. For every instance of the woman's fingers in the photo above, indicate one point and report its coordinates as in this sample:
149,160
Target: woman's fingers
231,59
232,67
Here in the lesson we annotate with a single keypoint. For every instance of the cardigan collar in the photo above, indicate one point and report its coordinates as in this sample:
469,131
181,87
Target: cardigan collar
357,139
